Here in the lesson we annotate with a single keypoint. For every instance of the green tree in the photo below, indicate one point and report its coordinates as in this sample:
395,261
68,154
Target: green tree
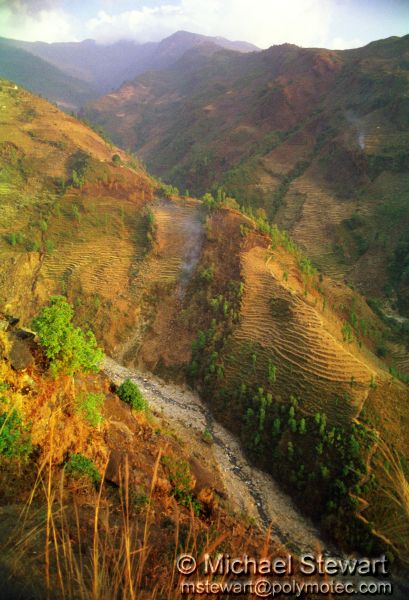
68,348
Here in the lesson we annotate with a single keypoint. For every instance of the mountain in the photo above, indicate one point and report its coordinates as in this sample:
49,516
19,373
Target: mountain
43,78
317,139
108,66
292,363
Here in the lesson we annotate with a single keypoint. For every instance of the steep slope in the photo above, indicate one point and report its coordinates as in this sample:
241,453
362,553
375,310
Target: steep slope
106,66
44,78
197,291
64,202
133,458
316,138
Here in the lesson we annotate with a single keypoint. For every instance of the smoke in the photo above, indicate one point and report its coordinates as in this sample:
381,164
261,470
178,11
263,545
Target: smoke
192,252
357,124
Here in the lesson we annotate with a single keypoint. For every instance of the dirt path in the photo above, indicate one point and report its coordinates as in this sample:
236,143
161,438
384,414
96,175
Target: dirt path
249,489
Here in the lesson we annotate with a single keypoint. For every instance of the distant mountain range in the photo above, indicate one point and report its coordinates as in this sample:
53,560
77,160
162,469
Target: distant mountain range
92,68
43,78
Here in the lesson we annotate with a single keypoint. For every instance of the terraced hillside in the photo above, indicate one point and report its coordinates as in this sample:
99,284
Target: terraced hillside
295,375
72,215
316,139
285,357
289,331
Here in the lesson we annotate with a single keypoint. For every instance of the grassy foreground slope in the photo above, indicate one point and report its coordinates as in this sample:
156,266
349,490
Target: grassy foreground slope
318,139
96,499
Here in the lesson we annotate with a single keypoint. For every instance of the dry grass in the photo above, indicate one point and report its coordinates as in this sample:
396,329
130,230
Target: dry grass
394,489
95,554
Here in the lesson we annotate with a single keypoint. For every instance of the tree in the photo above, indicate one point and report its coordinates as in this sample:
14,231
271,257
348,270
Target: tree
68,348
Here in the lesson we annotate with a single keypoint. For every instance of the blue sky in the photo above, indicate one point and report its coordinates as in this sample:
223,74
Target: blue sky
327,23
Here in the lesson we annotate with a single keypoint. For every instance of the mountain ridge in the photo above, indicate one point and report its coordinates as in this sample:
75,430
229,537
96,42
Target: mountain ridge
283,131
107,65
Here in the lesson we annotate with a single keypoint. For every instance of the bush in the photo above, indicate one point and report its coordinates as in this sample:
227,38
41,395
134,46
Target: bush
89,407
68,348
14,438
116,159
207,274
182,482
130,393
207,436
79,466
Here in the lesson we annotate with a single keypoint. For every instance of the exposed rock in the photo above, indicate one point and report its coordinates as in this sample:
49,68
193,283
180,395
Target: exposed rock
204,478
116,467
20,356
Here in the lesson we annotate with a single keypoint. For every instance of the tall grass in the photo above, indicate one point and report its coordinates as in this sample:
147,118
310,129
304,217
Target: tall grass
394,487
75,542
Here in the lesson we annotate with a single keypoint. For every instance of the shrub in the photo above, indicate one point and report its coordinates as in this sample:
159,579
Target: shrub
182,482
207,274
138,499
14,437
130,393
79,466
89,407
75,212
49,246
116,159
207,436
68,348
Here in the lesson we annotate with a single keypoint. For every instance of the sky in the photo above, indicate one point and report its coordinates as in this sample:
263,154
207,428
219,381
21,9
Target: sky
334,24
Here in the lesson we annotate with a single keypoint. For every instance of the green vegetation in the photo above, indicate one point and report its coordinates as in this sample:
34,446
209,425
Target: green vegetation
130,393
138,499
181,479
207,274
89,406
306,453
79,466
168,190
389,158
68,348
151,226
207,436
15,439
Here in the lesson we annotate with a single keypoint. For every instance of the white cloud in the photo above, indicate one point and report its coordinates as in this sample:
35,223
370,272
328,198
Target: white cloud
339,43
263,22
145,24
45,25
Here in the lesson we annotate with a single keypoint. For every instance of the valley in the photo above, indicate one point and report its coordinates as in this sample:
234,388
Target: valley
316,140
249,490
218,359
